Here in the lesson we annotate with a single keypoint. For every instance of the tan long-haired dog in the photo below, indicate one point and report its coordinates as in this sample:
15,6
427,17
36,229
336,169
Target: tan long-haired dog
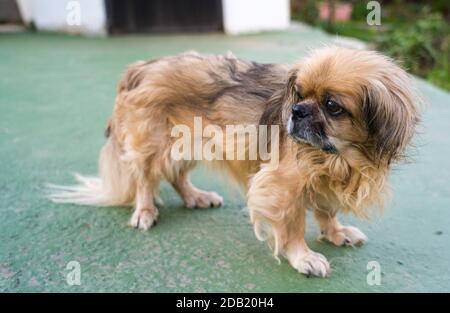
345,116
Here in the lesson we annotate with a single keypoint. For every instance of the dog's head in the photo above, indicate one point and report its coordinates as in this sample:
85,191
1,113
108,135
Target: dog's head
356,103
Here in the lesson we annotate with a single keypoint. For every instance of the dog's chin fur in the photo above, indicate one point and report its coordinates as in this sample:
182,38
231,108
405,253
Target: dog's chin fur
154,96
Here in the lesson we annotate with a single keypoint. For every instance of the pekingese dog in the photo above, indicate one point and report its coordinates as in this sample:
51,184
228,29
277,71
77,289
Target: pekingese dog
344,117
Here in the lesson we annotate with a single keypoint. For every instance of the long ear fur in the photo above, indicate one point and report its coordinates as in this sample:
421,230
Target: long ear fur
391,116
275,107
273,113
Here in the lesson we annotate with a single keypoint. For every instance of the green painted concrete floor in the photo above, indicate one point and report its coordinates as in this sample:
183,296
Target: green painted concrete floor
56,93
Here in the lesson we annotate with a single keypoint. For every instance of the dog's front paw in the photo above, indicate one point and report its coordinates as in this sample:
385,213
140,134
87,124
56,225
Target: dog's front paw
311,263
345,236
143,219
203,199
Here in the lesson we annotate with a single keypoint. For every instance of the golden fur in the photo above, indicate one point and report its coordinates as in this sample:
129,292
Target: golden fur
153,97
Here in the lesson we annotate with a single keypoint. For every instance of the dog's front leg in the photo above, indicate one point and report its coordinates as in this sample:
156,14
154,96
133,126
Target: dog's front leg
299,255
279,218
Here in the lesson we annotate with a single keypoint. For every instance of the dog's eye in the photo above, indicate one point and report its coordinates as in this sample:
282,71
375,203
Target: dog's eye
333,108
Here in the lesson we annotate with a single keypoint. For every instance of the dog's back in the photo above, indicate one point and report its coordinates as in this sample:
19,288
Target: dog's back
203,83
153,97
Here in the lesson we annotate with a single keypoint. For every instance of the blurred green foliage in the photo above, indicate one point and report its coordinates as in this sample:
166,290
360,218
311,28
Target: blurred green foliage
422,46
306,11
359,10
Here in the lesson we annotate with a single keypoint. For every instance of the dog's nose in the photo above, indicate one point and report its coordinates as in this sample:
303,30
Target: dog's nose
301,110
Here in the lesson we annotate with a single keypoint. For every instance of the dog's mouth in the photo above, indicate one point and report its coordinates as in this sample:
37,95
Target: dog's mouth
305,134
326,147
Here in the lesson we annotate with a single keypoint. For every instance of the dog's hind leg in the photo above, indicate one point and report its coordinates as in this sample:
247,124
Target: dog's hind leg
192,196
145,213
332,231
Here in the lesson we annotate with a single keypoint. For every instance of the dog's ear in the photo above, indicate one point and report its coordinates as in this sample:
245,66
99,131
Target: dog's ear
391,118
273,112
290,90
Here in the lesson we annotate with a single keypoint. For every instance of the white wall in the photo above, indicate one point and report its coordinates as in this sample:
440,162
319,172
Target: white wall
239,16
26,10
246,16
52,15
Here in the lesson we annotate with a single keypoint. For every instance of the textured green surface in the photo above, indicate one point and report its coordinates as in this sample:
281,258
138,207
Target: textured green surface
56,93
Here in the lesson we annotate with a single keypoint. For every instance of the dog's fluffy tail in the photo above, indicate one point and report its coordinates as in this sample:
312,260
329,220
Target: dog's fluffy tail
115,185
